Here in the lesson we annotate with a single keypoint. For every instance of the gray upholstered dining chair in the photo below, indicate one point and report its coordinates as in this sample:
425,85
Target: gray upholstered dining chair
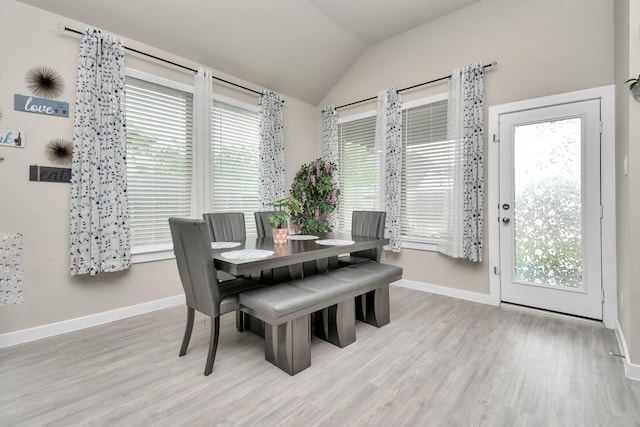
203,292
262,224
278,274
226,226
368,224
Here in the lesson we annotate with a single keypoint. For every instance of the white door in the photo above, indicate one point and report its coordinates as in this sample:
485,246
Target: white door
550,208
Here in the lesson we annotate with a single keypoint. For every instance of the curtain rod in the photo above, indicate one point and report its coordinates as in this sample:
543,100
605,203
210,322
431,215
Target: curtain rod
65,28
493,64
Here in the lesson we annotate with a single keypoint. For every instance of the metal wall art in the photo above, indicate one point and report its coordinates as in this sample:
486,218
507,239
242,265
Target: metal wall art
44,81
59,151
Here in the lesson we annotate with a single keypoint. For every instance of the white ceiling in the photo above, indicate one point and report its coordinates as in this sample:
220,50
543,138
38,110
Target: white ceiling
299,48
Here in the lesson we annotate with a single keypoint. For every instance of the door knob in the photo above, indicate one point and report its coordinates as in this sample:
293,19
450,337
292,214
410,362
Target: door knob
505,220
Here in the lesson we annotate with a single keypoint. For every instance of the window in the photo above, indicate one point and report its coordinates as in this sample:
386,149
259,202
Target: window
159,116
426,154
235,154
159,160
357,168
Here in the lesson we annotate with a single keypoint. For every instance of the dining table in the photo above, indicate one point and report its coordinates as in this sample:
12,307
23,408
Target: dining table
301,254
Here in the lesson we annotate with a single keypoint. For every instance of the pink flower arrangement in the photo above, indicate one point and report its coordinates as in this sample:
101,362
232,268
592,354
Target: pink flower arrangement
313,185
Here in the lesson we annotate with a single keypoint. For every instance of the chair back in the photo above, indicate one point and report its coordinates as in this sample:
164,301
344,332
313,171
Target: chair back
192,248
226,226
368,224
262,223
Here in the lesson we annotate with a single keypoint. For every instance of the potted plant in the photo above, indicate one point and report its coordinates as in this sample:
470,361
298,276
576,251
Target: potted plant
315,187
278,220
634,87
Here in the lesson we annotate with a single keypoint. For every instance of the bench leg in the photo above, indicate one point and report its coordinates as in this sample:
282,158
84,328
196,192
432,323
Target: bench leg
337,324
252,324
240,320
288,345
374,307
361,308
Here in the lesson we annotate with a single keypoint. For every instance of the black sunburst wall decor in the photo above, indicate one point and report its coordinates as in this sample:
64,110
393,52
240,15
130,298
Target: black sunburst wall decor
45,82
59,151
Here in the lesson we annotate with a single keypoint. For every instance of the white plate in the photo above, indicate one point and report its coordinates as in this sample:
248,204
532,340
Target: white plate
224,245
301,237
245,254
335,242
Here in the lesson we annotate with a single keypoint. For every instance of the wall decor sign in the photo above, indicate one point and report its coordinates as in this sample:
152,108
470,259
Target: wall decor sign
12,138
49,107
49,174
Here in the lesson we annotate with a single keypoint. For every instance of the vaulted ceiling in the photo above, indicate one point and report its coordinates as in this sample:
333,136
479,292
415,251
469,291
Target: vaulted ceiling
299,48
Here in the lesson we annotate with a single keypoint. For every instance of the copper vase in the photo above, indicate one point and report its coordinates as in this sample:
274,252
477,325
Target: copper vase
279,236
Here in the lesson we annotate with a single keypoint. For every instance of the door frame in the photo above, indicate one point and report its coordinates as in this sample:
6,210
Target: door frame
606,95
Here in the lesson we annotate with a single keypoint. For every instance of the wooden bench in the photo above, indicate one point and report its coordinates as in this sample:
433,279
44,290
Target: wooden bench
286,309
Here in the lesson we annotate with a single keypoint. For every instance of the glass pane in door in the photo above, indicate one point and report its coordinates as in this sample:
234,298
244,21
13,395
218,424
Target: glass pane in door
548,203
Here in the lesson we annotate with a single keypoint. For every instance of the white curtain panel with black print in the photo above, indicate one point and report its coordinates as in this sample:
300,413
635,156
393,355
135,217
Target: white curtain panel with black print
461,231
271,167
330,150
388,142
99,222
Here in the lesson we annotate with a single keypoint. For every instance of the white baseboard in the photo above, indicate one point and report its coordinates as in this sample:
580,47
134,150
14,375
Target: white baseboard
52,329
631,370
45,331
443,290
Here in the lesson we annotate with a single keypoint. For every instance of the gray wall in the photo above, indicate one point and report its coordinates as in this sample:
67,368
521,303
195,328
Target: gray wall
627,63
542,48
40,211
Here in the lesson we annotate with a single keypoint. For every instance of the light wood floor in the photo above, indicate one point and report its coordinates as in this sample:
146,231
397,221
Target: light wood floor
440,362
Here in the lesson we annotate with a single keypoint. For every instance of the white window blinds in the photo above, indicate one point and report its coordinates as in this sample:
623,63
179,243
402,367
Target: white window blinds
159,159
425,155
357,168
235,155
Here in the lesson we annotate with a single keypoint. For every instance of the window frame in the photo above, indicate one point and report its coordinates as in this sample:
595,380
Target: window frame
409,242
254,109
150,253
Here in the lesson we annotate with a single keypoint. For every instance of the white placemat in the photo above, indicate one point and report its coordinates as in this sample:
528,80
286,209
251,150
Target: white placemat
302,237
224,245
245,254
335,242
